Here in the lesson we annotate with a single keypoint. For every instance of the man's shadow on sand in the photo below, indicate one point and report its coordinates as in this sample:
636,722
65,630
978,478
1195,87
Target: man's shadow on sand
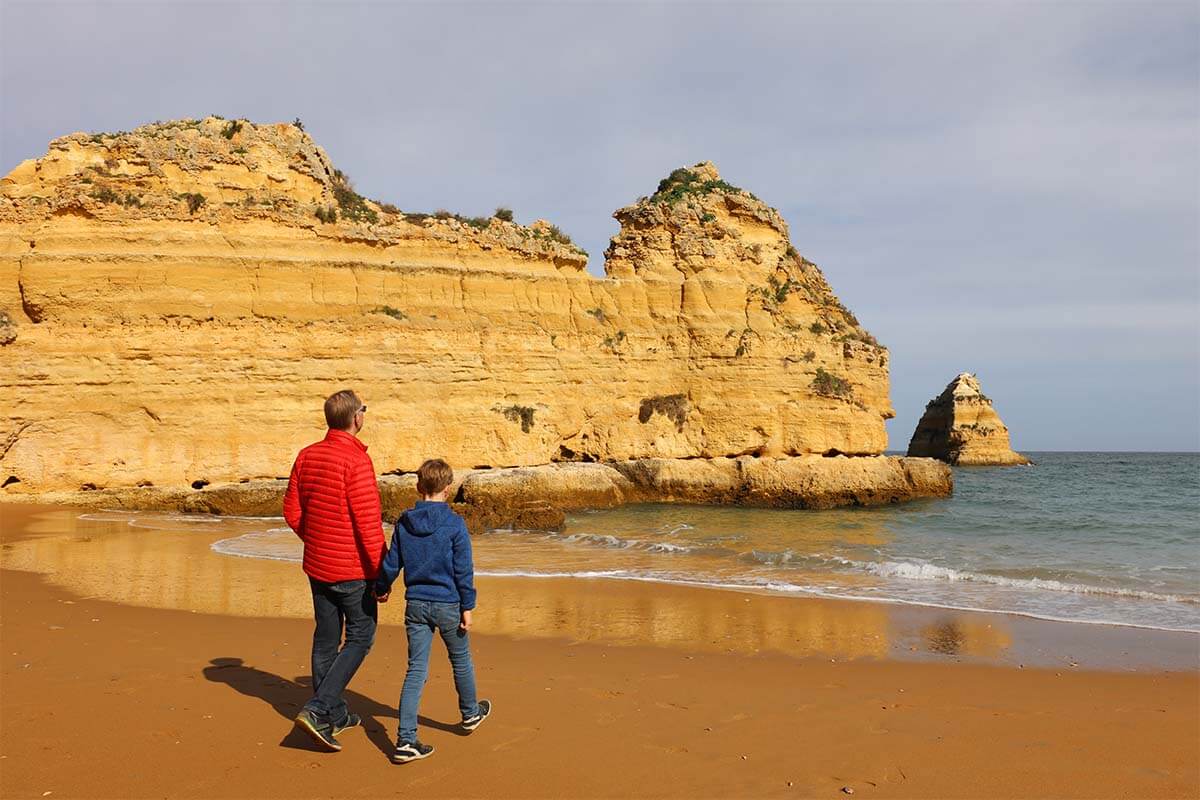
287,697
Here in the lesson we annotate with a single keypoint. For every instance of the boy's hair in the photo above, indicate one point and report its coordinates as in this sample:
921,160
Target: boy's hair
433,476
340,408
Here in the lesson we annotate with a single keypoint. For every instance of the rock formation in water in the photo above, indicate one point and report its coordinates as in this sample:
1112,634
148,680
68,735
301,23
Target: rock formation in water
961,427
179,299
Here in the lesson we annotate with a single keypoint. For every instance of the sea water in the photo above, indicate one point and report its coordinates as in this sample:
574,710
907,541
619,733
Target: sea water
1085,537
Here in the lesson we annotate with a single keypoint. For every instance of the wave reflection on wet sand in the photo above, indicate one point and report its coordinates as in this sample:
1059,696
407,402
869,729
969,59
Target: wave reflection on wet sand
167,561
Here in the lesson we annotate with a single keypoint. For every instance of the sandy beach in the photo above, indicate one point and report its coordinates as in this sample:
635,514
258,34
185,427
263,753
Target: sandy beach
125,676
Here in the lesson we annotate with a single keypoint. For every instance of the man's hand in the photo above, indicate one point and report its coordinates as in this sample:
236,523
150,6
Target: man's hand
381,597
466,621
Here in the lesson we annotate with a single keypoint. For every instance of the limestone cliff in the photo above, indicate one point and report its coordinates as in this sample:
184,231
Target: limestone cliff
180,298
961,427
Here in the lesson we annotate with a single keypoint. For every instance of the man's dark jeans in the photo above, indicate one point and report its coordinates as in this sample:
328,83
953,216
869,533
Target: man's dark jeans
348,603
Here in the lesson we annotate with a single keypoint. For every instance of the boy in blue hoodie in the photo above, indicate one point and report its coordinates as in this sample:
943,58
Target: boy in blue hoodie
432,546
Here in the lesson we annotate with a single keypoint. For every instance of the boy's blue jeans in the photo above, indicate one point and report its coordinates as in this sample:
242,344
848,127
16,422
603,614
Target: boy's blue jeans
421,619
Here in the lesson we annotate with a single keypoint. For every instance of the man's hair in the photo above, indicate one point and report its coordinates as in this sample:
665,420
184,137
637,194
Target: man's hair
340,409
433,476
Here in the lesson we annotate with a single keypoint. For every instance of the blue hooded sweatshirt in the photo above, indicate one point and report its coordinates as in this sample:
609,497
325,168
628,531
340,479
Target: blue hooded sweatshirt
431,544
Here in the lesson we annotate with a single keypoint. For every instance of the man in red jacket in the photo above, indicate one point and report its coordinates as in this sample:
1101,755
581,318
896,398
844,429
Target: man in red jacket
332,503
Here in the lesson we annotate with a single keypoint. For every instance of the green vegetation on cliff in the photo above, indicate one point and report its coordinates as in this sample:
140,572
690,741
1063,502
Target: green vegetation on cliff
684,182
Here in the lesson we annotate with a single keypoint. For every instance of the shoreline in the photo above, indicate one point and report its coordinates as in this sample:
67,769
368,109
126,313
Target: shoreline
176,570
701,693
798,592
802,594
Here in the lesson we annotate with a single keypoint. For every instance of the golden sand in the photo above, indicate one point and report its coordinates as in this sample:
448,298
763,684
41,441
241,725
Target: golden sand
710,693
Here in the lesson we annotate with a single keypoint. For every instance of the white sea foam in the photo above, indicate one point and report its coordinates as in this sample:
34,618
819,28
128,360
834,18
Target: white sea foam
931,572
667,547
269,544
109,516
1081,540
604,540
254,545
600,539
830,592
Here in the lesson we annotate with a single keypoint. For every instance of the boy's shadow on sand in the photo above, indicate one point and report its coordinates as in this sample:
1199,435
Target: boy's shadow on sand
287,697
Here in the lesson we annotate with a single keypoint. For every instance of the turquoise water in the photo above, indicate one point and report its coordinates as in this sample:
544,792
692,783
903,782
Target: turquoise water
1086,537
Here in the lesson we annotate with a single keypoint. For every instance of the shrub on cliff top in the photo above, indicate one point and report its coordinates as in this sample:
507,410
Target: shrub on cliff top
478,223
231,130
553,233
352,204
683,182
859,335
503,214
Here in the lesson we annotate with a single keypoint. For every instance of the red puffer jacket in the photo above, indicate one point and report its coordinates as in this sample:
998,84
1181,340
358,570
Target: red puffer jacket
332,503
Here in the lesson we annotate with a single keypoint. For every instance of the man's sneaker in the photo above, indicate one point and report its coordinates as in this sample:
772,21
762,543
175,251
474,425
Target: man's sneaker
410,751
352,720
471,723
322,734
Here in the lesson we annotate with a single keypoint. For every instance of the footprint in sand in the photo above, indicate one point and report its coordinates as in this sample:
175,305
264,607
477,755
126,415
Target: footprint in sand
508,743
675,706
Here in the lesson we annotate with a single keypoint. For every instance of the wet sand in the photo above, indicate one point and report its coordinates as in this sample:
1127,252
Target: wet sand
136,666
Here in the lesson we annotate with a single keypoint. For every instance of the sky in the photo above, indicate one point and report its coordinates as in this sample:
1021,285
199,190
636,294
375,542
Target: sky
1010,189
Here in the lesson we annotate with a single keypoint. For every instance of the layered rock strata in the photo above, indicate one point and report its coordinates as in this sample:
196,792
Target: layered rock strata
179,299
961,427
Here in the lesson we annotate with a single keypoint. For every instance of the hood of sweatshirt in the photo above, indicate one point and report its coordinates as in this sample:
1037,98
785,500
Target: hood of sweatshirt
426,517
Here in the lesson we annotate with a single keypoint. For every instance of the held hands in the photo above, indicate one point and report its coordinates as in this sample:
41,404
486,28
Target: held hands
381,597
466,621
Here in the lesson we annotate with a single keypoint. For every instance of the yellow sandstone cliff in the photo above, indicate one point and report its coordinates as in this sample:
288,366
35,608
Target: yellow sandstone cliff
961,427
176,301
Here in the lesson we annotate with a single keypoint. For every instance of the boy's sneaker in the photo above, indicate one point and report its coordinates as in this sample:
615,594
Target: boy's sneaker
322,734
471,723
411,751
352,720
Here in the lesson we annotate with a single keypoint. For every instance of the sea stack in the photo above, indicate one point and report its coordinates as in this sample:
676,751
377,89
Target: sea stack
960,427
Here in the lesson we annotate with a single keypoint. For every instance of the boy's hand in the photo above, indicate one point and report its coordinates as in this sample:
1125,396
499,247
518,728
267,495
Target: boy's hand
381,597
466,621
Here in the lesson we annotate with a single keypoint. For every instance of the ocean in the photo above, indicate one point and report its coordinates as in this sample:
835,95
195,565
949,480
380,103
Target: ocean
1084,537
